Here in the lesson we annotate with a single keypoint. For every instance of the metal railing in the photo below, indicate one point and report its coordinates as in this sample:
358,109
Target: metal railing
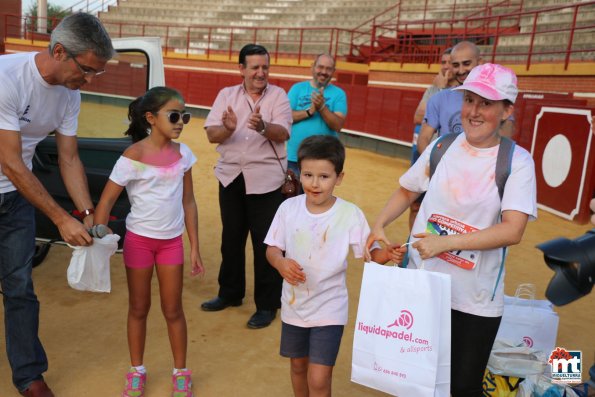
392,18
516,36
92,6
25,26
216,42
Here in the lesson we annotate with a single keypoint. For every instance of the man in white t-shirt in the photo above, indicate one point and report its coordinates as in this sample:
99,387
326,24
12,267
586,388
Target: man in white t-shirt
40,95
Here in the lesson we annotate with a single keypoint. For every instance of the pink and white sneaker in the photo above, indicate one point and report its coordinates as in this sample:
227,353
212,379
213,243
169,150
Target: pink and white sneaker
135,384
182,384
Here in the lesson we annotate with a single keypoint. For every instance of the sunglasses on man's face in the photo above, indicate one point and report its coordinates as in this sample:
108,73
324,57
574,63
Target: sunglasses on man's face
174,117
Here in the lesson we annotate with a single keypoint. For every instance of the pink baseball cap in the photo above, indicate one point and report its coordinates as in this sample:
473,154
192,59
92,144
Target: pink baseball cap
491,81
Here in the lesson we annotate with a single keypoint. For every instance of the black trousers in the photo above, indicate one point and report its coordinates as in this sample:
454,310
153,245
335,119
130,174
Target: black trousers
242,213
471,343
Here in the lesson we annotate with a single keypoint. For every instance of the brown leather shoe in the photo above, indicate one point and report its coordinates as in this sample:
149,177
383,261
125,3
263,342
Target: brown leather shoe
37,388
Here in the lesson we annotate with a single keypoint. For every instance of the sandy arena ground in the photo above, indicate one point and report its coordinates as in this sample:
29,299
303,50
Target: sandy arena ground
85,333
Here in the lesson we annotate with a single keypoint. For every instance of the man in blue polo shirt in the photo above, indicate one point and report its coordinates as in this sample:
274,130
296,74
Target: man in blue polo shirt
318,107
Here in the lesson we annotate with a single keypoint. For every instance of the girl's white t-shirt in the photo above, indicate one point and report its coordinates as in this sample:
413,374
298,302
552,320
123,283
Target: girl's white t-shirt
462,197
155,194
320,244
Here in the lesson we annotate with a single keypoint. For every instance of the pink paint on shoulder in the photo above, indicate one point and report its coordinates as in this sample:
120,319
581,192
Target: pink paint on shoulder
163,158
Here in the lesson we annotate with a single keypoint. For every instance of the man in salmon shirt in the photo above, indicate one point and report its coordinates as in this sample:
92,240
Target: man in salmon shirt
250,122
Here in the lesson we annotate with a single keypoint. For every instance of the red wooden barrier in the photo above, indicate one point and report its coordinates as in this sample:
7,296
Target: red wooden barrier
564,152
528,106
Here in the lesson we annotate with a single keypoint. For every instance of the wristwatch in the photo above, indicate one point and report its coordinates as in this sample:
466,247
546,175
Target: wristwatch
264,127
83,214
308,113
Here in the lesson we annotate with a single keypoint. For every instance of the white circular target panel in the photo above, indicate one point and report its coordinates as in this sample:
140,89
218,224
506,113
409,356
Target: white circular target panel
556,160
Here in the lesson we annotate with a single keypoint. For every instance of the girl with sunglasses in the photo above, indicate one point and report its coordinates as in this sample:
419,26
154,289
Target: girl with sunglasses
157,175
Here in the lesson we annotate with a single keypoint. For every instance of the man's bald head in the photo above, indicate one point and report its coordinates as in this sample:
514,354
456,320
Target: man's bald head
323,69
464,57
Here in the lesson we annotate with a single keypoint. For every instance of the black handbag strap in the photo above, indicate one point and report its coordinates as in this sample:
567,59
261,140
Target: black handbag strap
276,155
270,143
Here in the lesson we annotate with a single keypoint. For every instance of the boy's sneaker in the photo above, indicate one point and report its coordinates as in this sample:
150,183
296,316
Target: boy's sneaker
135,384
182,384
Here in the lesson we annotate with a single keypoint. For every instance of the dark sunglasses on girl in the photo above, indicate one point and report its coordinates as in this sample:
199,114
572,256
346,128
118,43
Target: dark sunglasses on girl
174,117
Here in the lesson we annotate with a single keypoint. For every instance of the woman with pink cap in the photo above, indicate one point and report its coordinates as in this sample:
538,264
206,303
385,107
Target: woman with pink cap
465,222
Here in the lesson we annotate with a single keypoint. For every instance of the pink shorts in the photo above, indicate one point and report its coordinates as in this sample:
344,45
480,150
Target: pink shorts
143,252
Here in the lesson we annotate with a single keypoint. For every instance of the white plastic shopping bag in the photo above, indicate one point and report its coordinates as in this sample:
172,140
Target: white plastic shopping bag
401,342
540,386
89,268
529,321
518,361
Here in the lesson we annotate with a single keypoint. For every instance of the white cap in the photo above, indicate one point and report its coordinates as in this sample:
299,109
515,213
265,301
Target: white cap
491,81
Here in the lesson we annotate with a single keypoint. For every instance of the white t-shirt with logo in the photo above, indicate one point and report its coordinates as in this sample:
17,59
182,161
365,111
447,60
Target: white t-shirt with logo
155,194
320,244
33,107
462,197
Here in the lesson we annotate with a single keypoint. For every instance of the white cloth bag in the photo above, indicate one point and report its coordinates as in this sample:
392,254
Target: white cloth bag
401,343
89,268
529,321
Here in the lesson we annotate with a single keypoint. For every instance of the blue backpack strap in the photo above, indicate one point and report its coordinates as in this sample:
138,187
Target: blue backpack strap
503,170
441,146
504,250
405,262
504,163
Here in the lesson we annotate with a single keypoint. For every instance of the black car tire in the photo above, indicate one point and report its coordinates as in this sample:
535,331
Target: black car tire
41,251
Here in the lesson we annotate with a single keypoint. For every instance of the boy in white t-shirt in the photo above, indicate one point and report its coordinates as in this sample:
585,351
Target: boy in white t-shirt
308,242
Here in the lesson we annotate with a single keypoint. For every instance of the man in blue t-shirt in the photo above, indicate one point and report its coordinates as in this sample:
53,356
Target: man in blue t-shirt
443,110
318,107
445,79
